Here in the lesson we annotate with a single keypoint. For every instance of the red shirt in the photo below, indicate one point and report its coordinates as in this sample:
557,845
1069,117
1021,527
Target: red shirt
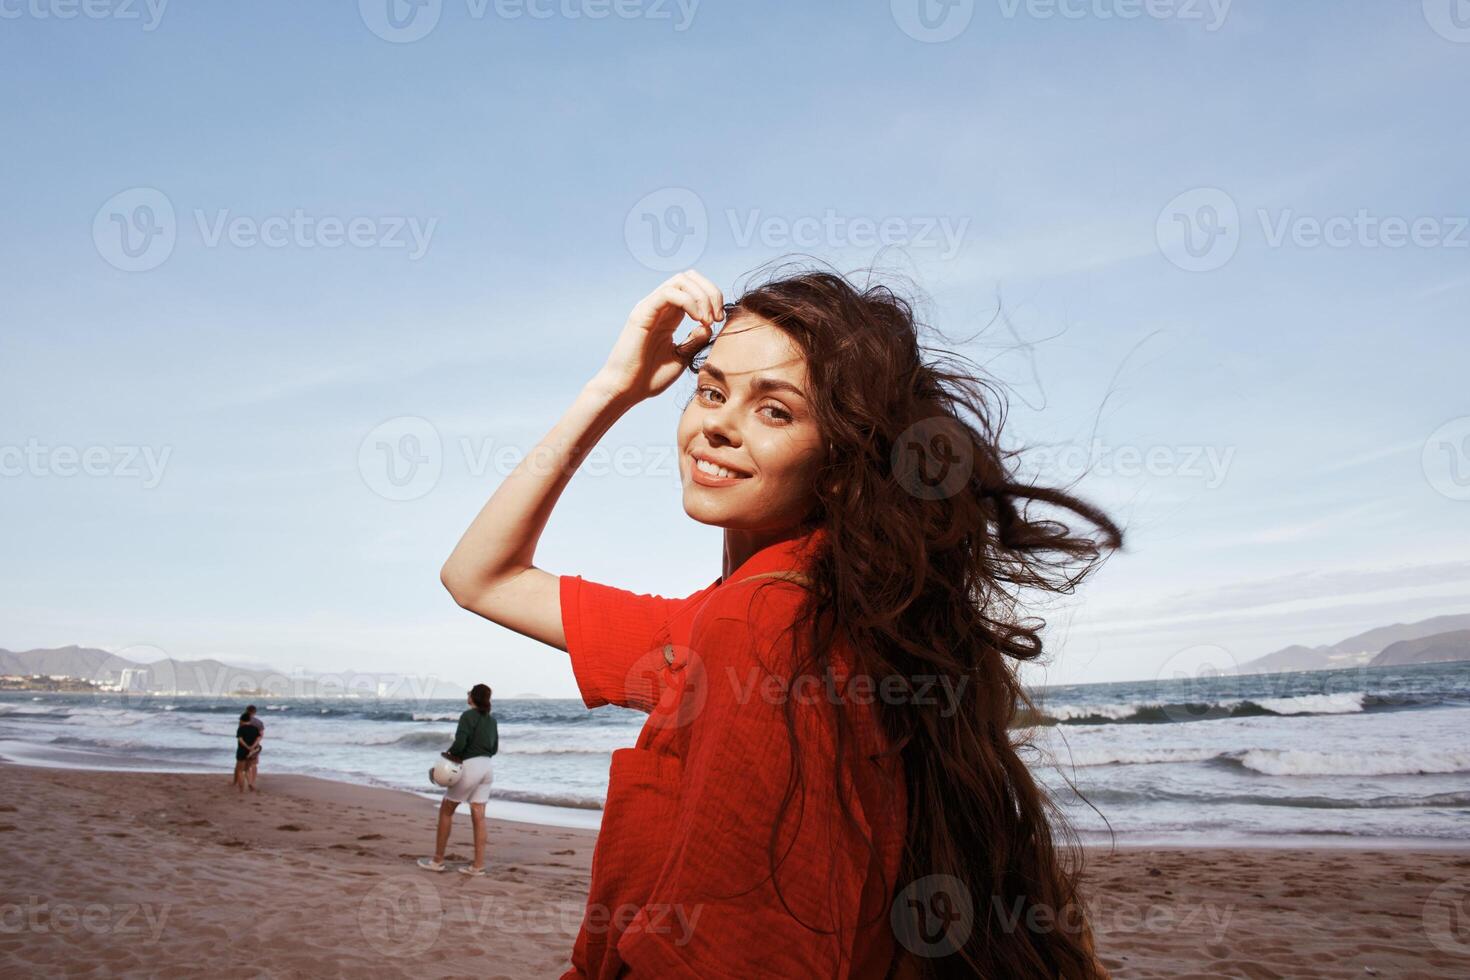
681,883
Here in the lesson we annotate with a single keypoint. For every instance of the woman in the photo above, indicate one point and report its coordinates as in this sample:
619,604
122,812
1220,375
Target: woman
476,740
254,760
246,737
799,802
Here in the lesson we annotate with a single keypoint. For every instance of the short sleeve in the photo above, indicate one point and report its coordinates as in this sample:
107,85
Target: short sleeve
611,635
715,910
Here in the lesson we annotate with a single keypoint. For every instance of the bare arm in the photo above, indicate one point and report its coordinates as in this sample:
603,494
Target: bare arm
492,570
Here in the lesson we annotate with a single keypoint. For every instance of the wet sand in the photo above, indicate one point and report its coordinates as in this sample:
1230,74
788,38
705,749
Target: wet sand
121,873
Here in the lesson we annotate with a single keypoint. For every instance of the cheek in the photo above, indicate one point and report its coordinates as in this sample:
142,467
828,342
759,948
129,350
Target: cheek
688,425
785,459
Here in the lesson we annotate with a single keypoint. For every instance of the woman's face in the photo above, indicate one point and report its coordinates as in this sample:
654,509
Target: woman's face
749,414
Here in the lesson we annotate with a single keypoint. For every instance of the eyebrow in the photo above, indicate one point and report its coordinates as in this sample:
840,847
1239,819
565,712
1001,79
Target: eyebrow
760,386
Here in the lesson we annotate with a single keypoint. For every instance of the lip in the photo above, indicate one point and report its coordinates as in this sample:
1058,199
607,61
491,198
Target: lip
709,480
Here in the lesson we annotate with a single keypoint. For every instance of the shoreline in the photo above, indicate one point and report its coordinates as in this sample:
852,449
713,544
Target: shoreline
176,869
18,753
543,814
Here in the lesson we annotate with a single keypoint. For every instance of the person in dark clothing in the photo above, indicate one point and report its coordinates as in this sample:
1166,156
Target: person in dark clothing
254,760
246,738
476,740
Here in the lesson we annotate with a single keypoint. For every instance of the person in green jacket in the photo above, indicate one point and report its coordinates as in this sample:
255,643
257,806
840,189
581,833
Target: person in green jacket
476,740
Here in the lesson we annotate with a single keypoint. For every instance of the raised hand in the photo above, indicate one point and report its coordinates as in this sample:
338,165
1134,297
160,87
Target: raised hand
645,360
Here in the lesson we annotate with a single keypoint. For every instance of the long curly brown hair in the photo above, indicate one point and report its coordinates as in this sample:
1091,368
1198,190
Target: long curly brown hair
930,545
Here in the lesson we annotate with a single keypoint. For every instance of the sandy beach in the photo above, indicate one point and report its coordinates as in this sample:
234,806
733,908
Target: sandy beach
117,873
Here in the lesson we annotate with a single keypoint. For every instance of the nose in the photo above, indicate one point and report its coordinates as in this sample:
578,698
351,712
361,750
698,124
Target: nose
718,425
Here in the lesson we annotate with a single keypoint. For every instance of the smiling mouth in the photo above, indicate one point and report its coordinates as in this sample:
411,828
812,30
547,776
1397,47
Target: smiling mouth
715,470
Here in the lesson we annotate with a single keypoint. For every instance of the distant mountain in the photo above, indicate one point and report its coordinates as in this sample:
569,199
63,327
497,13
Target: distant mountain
1355,651
1378,639
216,678
1437,649
1296,657
72,661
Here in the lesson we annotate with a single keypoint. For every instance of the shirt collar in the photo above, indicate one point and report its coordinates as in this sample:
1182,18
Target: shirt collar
789,554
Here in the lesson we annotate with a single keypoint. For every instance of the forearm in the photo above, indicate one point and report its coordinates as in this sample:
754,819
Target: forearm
502,539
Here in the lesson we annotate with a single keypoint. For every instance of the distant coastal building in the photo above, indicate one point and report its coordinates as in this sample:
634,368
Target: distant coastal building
133,679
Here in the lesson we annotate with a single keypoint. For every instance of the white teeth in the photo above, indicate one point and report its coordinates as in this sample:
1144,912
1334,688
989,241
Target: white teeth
714,470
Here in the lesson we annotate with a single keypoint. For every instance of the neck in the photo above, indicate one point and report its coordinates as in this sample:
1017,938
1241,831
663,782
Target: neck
741,544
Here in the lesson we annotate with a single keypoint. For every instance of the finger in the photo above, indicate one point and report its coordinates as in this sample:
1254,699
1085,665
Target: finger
697,338
716,298
689,288
690,280
675,294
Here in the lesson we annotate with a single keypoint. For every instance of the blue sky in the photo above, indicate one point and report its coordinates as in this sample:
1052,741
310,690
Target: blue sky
1188,218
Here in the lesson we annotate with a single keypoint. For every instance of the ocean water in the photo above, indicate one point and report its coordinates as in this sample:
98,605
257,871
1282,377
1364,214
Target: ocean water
1325,755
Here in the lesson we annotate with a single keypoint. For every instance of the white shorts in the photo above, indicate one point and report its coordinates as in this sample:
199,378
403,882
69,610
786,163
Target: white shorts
473,785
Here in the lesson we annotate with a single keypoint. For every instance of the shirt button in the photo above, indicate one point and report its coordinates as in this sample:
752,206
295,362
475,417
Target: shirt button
669,654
